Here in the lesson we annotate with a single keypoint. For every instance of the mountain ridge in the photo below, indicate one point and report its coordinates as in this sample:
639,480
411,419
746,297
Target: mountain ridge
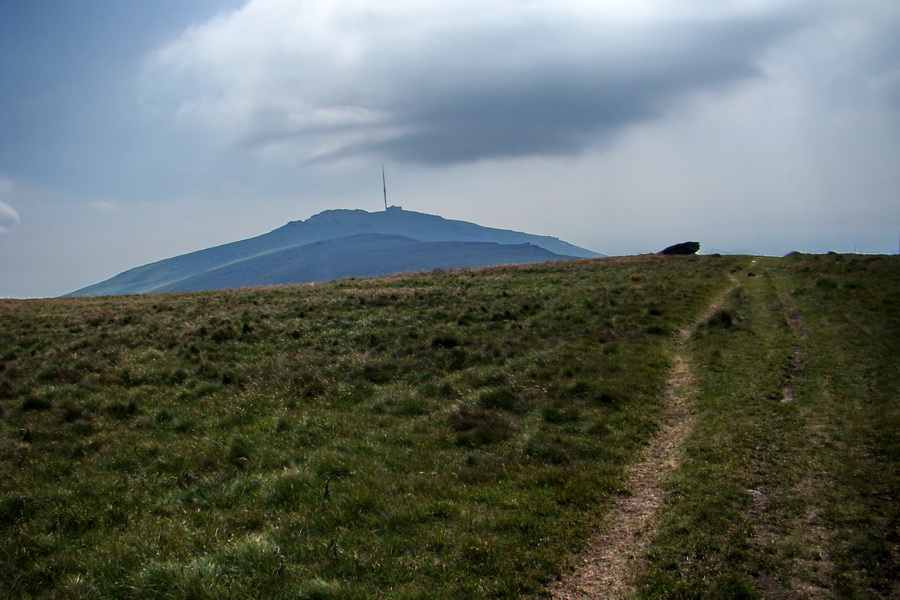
166,274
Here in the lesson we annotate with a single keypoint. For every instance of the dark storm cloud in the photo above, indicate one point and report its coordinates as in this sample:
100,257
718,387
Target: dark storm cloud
562,109
419,91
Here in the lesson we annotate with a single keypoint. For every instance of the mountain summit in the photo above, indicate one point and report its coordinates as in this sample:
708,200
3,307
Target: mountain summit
335,244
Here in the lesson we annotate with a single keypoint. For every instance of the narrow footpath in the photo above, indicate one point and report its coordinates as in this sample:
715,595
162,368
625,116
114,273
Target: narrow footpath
607,568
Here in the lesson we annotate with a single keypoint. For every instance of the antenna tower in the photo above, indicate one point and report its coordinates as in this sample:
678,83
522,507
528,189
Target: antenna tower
384,183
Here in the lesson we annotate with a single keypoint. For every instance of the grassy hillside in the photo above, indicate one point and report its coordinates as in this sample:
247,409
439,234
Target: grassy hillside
449,435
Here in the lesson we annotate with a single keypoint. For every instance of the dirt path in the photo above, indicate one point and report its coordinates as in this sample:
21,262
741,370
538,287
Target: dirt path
809,568
616,552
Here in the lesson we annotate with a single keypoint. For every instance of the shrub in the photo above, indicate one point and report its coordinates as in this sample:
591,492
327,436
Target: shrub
475,426
606,398
35,403
444,341
577,389
121,410
256,557
16,507
379,372
72,413
288,491
501,398
184,426
721,319
443,389
561,413
223,334
240,451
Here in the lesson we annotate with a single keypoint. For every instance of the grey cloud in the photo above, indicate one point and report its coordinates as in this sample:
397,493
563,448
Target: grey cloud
502,90
564,110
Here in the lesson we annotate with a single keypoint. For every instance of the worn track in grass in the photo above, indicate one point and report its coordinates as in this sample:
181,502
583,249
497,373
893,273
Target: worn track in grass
614,555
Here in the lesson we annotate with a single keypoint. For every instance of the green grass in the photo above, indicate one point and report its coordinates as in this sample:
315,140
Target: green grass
440,435
791,477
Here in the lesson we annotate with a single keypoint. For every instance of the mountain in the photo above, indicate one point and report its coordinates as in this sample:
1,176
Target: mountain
364,255
359,243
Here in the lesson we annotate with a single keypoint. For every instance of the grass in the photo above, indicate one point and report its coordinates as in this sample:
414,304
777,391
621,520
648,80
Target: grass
449,435
790,479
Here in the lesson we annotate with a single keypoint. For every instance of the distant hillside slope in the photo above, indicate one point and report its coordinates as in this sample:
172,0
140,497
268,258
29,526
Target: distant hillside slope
363,255
204,268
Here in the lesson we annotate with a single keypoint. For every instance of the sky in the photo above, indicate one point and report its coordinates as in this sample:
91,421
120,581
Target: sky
135,131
